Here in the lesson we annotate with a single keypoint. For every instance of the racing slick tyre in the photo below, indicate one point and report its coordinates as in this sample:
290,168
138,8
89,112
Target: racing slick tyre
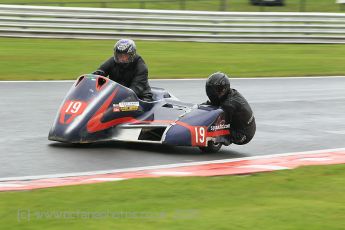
211,147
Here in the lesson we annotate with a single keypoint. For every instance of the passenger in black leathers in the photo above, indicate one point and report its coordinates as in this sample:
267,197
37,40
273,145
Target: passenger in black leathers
238,112
127,68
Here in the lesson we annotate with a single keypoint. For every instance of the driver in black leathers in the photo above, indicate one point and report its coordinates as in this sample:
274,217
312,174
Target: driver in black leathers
238,112
127,68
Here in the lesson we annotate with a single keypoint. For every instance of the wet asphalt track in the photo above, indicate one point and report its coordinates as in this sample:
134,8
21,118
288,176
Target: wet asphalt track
295,114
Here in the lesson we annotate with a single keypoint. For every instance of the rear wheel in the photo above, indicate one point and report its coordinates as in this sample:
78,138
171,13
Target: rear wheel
211,147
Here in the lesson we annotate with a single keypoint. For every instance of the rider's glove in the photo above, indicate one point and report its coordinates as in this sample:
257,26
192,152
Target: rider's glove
206,103
99,72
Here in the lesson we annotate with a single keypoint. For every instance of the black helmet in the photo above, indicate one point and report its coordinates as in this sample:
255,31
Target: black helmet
124,51
217,87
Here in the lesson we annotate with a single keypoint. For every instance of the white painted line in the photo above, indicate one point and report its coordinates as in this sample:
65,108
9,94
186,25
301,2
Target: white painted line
186,79
269,167
287,78
71,81
247,78
4,185
41,81
105,179
171,173
317,159
168,166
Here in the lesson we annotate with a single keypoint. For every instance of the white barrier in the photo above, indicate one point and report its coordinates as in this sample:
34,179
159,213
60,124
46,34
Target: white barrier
100,23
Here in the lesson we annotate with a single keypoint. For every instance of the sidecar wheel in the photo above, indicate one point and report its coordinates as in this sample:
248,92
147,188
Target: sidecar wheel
211,147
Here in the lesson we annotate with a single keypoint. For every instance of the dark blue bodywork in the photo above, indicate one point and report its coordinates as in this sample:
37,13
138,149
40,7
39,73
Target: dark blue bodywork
98,109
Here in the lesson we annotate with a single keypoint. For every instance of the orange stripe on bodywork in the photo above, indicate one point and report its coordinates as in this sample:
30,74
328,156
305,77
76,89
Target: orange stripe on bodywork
95,124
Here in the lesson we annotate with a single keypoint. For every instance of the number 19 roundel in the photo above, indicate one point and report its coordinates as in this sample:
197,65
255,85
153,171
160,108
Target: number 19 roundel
199,136
70,110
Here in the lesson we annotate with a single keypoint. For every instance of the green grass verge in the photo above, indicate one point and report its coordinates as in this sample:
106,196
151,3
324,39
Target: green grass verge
36,59
306,198
213,5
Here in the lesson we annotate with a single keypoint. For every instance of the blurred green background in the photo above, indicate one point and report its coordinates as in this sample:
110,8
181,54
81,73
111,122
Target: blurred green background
36,59
25,59
213,5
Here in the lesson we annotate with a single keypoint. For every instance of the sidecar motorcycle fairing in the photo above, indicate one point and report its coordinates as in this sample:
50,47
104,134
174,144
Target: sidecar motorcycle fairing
99,109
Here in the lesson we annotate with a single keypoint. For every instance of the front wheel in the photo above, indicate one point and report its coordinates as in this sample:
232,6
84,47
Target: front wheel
211,147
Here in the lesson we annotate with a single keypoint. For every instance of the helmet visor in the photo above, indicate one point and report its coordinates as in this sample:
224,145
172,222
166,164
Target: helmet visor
220,90
122,57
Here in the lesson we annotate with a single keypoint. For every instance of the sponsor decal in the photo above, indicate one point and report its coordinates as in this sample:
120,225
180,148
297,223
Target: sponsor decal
126,106
219,127
116,108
